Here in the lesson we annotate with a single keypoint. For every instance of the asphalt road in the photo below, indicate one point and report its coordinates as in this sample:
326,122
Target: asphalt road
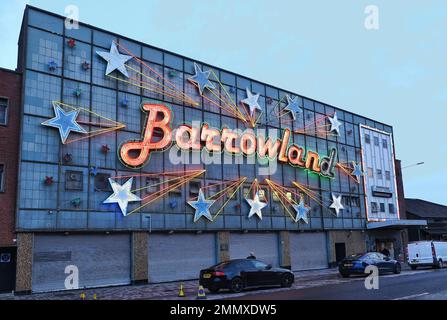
423,284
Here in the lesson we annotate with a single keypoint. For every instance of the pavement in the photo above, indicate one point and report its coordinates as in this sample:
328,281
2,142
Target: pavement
305,281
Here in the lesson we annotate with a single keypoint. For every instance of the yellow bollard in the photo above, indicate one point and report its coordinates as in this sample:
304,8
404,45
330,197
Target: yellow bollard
181,293
82,296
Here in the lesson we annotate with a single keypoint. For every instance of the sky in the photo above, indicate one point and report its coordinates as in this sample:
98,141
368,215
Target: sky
396,74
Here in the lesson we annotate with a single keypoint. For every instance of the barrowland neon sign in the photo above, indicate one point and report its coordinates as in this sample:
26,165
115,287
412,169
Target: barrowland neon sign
136,153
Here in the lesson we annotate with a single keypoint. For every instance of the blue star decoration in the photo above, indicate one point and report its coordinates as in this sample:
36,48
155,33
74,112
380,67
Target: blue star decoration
256,206
252,101
301,212
201,78
115,60
65,122
293,106
357,171
122,195
202,207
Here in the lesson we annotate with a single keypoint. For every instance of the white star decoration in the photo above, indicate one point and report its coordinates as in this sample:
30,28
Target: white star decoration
256,206
293,106
301,212
252,101
335,124
336,204
115,60
202,207
122,195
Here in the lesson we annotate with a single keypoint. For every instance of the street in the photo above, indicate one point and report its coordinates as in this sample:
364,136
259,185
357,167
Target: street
420,284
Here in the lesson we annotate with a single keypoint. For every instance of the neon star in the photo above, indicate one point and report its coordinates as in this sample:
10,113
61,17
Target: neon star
252,102
336,204
65,122
293,106
115,60
202,207
256,206
335,124
301,212
201,78
357,170
122,195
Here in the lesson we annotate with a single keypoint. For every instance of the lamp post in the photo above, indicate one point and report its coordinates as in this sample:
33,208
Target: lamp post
413,165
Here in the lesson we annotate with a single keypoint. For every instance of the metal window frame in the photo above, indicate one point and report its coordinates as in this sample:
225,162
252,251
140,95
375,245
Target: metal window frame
5,124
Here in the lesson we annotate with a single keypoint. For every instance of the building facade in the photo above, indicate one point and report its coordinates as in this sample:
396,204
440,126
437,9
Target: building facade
10,104
109,191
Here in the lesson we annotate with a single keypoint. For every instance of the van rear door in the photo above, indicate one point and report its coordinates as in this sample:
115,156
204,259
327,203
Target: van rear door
420,253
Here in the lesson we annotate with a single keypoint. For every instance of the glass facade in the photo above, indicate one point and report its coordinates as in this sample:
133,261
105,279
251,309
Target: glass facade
60,207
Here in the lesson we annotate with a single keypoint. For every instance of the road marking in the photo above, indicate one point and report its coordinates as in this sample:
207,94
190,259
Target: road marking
412,296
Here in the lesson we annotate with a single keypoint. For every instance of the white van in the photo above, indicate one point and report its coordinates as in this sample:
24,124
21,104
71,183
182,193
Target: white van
427,253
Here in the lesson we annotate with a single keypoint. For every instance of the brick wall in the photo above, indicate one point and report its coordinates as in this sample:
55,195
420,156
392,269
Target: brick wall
10,87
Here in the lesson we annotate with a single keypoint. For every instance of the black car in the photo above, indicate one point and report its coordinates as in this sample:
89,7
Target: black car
356,264
242,273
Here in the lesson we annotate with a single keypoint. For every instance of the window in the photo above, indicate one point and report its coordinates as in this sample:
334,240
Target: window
391,208
174,189
388,175
367,138
73,180
382,207
385,143
102,182
194,187
355,202
2,177
3,111
379,173
259,265
152,185
374,207
376,141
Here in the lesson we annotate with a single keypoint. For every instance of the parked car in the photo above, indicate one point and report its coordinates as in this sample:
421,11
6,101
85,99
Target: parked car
356,264
239,274
427,253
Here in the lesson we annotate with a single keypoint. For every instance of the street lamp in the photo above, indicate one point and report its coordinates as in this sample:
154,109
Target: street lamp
413,165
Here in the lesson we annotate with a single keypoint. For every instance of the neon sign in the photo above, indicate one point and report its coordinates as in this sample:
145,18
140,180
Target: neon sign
137,153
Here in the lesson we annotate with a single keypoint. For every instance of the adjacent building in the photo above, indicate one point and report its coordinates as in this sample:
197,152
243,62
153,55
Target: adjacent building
69,212
10,105
436,216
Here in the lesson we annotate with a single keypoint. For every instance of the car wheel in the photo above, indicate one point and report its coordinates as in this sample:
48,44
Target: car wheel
237,285
440,264
214,289
287,280
397,268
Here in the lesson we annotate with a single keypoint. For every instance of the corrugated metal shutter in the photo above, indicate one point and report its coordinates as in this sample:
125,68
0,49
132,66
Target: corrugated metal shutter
263,245
102,260
308,250
179,256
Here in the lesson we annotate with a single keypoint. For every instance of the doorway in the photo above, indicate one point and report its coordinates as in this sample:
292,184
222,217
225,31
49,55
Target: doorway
7,269
340,251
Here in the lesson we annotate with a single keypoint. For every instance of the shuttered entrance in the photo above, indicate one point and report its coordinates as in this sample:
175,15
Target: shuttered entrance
179,256
263,245
102,260
308,250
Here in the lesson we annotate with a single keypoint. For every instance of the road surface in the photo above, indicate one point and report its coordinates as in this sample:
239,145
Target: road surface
423,284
